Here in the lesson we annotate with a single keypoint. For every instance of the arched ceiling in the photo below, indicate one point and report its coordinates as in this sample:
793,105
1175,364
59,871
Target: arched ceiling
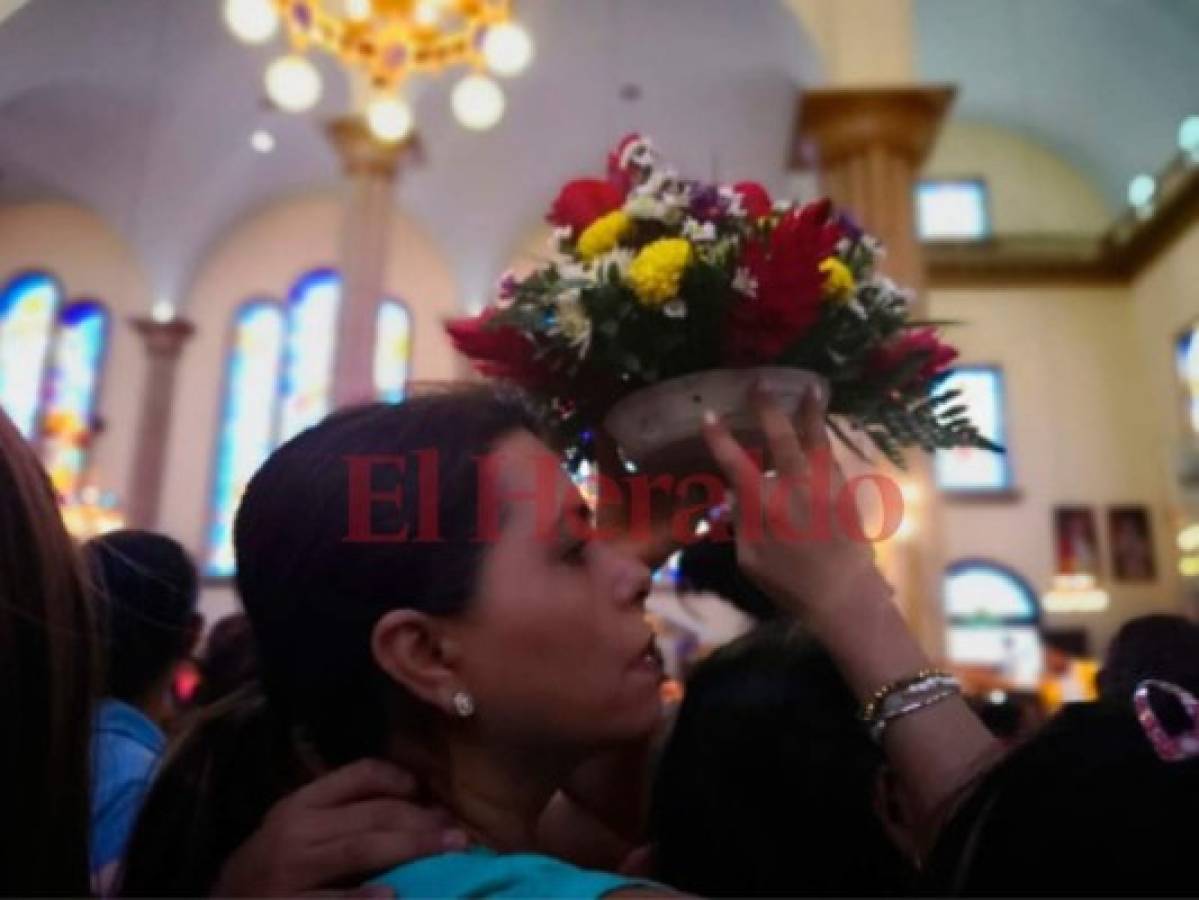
142,110
1104,83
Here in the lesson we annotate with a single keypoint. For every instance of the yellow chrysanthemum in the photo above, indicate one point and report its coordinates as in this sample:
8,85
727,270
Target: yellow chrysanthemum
655,274
603,234
838,280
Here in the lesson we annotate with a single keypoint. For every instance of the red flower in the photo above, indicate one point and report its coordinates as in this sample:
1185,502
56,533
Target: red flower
790,286
581,202
924,341
754,199
498,352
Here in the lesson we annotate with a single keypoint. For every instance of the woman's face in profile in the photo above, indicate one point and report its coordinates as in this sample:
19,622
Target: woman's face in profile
555,646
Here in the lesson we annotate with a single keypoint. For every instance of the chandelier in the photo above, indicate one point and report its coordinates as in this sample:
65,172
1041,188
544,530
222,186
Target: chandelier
383,44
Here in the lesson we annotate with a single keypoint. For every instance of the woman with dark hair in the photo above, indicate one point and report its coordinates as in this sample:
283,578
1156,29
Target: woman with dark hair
769,784
424,587
1158,646
229,660
48,671
50,667
1094,805
489,651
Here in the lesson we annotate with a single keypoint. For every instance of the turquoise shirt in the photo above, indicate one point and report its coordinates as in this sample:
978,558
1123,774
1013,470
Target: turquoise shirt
483,873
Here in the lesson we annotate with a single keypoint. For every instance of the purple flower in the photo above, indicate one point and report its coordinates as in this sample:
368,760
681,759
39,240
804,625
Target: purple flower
849,227
507,289
706,204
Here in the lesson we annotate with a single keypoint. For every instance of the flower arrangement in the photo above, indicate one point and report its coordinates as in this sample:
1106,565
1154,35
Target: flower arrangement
654,276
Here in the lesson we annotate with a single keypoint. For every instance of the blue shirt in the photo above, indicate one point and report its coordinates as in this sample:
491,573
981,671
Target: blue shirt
483,873
126,747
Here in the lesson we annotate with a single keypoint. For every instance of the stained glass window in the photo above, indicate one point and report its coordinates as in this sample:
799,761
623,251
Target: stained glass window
279,382
71,391
1186,357
308,364
28,306
393,350
247,431
50,360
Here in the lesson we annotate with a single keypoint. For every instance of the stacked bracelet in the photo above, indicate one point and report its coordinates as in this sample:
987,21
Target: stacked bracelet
905,696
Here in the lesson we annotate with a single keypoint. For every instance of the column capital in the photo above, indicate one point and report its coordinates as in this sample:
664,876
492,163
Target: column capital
361,153
163,338
843,122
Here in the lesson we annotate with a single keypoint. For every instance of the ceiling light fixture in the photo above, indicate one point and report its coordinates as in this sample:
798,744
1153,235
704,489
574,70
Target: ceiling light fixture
293,83
262,141
1141,190
252,21
384,43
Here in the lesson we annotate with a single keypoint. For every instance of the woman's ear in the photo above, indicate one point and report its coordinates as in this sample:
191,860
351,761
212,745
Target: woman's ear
414,650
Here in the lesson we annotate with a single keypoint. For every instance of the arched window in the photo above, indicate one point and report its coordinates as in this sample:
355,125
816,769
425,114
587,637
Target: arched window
279,382
247,431
993,619
51,357
308,364
27,310
71,391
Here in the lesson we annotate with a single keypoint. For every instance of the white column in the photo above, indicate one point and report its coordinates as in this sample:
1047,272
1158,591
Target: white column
164,343
371,168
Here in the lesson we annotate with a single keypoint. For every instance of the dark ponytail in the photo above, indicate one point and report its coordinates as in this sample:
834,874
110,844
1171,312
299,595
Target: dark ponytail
313,596
233,761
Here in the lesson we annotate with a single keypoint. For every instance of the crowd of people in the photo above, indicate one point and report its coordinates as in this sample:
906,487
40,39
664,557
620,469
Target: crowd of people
463,717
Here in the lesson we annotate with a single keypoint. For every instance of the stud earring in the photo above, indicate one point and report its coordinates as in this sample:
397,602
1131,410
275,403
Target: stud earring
464,704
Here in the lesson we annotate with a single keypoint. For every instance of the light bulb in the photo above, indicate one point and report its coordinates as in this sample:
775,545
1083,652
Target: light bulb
262,141
252,21
1141,190
163,311
478,102
293,83
1188,137
389,118
507,49
358,10
427,13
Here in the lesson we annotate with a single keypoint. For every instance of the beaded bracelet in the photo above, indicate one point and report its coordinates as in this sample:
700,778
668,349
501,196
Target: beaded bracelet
870,707
913,700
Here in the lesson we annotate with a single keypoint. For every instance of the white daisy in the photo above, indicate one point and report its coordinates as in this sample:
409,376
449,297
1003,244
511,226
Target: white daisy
621,257
732,202
559,236
745,283
572,322
675,309
699,232
645,206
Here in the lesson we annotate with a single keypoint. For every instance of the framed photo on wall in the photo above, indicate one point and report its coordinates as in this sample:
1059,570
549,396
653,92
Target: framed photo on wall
1130,541
1076,541
970,470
